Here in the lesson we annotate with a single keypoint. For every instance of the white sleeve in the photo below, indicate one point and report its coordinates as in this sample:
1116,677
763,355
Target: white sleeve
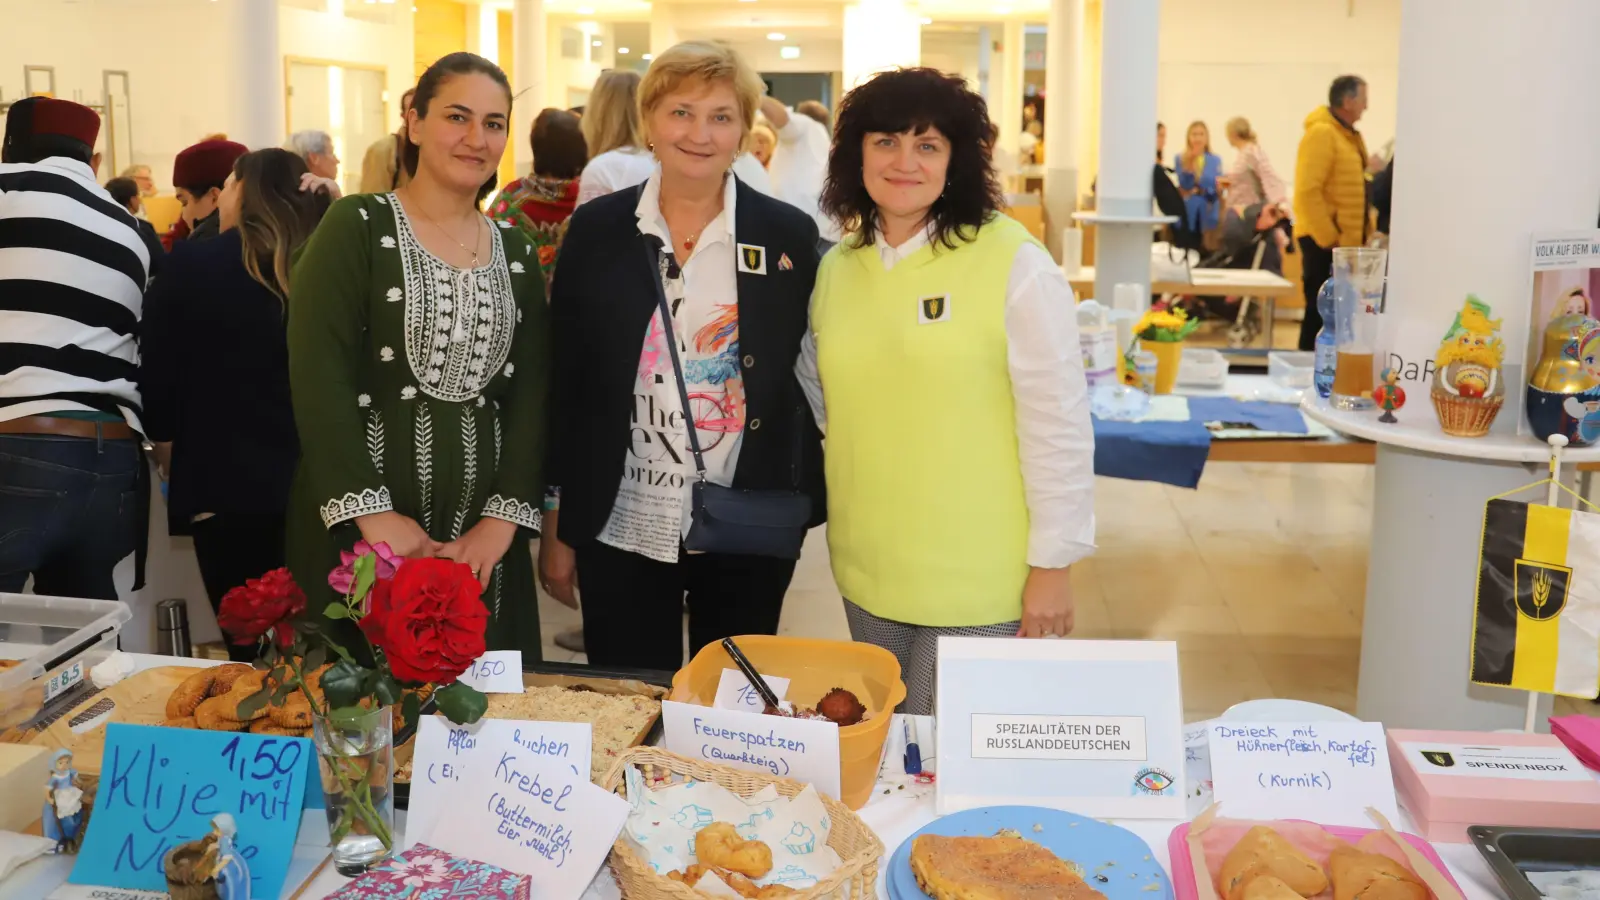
752,172
595,181
805,369
1055,439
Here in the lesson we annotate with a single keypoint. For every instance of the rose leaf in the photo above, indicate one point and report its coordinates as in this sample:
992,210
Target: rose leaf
410,707
386,689
461,703
342,683
337,610
250,705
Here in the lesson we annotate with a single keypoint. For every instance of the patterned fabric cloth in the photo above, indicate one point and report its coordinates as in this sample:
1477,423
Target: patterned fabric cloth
423,873
917,648
540,207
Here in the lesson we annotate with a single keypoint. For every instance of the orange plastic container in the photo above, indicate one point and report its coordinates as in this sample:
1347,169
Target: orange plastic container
815,667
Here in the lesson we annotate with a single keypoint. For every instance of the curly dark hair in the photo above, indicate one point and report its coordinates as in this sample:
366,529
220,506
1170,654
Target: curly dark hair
916,100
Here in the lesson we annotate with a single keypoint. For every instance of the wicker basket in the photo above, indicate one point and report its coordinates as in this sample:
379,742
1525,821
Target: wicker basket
855,879
1465,416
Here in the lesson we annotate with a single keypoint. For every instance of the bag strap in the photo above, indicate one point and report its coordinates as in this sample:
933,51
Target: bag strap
656,256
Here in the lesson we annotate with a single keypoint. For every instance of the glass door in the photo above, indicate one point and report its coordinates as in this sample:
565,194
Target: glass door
345,101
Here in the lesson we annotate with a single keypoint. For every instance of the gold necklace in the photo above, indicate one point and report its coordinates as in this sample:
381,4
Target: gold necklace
472,250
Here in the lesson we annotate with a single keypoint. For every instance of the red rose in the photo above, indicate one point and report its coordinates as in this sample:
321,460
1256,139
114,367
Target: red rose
428,620
261,605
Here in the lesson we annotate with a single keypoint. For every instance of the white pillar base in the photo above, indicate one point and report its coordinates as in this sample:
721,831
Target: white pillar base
1422,576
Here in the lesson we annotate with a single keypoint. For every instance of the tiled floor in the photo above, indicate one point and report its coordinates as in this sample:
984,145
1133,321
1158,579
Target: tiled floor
1260,575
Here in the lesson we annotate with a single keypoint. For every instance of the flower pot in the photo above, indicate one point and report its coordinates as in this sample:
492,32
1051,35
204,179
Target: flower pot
1168,356
355,756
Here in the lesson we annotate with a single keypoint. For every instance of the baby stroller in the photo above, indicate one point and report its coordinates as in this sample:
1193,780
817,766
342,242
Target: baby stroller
1248,243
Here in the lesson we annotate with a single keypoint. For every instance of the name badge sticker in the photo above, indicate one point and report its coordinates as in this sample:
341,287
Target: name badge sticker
752,259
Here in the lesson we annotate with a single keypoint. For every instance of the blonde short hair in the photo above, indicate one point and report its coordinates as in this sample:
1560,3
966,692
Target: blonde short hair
702,61
611,118
1239,127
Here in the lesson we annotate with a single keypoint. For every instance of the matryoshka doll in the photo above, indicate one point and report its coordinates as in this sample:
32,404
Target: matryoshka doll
1581,411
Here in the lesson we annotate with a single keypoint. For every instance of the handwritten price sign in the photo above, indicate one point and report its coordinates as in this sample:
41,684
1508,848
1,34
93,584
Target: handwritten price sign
803,749
496,672
1327,772
160,787
734,691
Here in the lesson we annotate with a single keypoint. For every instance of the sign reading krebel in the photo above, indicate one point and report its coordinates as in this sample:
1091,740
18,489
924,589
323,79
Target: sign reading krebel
1095,727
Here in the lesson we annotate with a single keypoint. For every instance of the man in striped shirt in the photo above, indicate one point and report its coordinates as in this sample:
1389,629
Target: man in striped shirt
73,270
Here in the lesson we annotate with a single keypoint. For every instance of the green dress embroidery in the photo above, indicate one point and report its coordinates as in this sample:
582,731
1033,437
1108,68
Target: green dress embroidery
420,388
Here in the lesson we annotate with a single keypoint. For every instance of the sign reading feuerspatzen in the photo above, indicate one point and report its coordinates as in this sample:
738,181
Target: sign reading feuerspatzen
1090,726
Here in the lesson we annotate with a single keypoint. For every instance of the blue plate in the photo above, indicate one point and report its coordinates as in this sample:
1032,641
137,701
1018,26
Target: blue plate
1125,862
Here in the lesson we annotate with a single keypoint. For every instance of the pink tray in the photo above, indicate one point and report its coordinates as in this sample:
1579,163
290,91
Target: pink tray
1183,883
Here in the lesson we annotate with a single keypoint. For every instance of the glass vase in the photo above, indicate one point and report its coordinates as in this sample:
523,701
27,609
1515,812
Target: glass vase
355,755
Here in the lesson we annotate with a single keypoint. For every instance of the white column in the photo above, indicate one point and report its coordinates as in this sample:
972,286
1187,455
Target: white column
253,66
483,35
1064,54
1428,507
878,35
1008,115
663,27
1129,39
986,65
528,23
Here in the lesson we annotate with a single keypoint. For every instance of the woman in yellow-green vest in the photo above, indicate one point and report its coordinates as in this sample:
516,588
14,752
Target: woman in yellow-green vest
943,365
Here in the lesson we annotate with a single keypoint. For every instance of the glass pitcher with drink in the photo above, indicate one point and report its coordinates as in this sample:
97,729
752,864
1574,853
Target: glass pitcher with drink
1358,277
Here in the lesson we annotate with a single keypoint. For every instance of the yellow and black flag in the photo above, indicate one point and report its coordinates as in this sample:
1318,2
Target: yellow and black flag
1537,625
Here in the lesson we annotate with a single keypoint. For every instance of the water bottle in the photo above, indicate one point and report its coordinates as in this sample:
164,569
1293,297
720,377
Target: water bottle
1326,358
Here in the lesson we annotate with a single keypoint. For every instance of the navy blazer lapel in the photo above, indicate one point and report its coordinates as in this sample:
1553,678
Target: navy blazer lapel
752,233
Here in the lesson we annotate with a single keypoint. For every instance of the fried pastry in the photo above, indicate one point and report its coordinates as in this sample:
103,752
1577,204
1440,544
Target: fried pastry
189,693
1263,851
268,726
1268,887
294,713
224,676
1003,867
1358,875
719,845
740,885
184,722
212,715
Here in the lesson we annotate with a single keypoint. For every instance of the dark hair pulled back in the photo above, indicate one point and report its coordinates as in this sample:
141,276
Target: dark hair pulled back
446,67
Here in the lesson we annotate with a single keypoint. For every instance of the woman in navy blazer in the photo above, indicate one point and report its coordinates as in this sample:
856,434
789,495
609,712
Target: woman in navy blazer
214,374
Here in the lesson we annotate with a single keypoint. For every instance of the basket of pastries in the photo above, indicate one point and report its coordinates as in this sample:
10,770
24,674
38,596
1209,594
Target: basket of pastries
755,864
1225,859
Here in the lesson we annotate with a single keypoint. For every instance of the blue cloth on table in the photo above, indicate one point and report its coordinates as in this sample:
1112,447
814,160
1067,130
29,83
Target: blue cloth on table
1284,418
1167,452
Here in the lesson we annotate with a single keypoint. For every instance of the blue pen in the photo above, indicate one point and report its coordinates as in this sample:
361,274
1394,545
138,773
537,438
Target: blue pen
913,757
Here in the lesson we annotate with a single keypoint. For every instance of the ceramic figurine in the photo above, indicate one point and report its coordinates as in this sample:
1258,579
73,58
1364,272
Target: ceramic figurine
1467,390
63,803
229,870
1560,375
1389,395
1583,409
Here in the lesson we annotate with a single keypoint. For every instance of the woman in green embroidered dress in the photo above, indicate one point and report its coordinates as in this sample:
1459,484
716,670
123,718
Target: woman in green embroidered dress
418,364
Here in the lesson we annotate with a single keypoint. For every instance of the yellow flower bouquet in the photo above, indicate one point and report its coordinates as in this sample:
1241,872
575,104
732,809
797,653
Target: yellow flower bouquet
1161,331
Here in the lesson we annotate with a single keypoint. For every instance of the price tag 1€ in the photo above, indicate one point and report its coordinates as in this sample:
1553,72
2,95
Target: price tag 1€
495,672
734,691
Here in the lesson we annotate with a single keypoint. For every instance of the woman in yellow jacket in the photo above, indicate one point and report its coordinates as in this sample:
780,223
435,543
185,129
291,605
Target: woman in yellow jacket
1330,191
943,364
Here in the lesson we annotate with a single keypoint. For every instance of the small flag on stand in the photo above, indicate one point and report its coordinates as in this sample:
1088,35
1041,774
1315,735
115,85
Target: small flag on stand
1537,622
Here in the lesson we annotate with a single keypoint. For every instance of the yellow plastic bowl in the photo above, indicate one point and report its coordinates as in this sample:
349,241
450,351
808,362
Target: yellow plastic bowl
815,667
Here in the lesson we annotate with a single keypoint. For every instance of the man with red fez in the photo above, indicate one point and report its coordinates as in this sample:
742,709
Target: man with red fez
73,489
198,174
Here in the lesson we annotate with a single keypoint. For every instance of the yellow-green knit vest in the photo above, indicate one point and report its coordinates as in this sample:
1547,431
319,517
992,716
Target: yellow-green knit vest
927,519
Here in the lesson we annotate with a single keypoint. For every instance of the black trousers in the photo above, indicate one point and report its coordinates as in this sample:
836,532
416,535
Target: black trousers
1316,266
633,605
232,548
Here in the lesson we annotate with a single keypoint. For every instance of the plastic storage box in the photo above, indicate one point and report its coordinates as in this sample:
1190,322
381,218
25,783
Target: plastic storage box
813,668
1203,368
55,641
1291,368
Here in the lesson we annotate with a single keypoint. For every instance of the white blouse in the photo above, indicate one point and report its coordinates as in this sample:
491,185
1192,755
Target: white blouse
614,170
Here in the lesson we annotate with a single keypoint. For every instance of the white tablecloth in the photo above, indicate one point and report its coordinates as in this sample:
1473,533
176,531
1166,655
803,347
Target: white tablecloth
894,816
